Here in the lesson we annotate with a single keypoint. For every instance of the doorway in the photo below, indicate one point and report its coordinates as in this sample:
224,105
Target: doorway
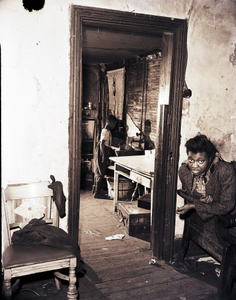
170,37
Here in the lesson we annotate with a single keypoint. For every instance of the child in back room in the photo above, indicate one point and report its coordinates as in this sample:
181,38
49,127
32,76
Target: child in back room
102,154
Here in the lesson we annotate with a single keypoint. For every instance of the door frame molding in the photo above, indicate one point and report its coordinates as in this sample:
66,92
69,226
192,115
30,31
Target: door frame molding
173,66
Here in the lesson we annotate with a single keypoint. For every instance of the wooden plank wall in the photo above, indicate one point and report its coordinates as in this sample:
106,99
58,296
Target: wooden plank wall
141,93
90,89
153,71
134,89
142,89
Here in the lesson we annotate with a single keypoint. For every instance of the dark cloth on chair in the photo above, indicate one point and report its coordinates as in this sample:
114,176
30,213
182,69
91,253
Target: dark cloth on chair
37,232
58,196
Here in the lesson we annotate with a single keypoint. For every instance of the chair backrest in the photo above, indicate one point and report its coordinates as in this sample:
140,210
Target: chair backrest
6,235
23,202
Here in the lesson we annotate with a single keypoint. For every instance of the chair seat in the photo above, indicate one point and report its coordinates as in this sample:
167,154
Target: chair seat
55,251
21,255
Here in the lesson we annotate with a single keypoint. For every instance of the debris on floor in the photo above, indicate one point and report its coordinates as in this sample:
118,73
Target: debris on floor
208,259
211,260
217,271
152,261
93,232
115,237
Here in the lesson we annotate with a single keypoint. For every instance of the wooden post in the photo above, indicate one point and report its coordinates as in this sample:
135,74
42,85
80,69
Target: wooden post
75,125
167,152
116,188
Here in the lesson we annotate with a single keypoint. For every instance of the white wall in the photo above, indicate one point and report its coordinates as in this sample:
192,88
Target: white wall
211,76
35,81
35,88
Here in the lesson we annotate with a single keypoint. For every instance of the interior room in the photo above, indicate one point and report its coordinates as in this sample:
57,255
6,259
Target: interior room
137,77
166,70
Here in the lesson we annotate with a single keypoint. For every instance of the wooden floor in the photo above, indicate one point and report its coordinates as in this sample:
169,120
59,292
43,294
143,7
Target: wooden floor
120,269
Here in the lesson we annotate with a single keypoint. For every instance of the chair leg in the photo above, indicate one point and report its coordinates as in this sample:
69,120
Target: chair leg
184,243
72,293
228,271
58,283
179,264
7,284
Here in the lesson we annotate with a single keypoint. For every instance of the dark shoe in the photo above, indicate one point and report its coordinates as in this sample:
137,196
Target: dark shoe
96,195
100,195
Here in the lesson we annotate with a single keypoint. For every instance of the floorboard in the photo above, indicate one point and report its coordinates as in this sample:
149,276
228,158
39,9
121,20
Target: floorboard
120,269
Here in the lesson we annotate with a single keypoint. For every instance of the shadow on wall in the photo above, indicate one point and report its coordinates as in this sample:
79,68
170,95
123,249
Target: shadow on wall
147,130
132,130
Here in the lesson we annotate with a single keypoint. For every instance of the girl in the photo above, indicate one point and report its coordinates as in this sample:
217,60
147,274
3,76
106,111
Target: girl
102,154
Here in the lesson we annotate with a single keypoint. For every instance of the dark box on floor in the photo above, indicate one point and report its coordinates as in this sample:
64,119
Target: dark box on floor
145,201
135,219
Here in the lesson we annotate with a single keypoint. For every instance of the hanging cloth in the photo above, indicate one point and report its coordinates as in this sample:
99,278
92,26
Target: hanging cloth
116,86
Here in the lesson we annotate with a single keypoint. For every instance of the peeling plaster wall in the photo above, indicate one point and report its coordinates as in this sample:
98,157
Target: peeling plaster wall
211,75
35,81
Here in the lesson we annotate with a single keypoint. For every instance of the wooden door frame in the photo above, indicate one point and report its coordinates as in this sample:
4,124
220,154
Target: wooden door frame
173,65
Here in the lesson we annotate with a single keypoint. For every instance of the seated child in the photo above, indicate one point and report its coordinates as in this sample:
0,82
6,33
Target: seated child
102,154
209,189
207,179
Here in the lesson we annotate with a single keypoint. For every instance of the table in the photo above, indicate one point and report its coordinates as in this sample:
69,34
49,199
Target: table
138,168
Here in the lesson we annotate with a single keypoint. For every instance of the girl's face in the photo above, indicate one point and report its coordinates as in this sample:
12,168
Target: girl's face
198,162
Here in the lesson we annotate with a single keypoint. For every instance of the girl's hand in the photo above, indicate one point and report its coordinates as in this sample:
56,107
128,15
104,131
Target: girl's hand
185,208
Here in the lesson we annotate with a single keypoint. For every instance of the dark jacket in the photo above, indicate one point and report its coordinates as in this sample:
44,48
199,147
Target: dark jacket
37,232
221,187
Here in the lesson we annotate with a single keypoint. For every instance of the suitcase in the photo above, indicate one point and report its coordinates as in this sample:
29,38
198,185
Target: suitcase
145,201
136,220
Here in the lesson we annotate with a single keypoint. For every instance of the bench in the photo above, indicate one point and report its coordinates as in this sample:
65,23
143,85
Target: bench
214,237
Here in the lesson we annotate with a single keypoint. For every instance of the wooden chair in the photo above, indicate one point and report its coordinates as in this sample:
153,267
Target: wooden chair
214,237
20,204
